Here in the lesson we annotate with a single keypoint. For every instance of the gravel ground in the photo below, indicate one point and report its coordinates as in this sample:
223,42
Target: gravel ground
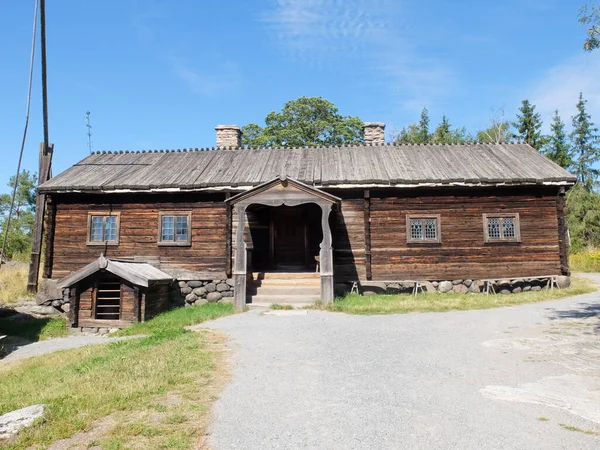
53,345
459,380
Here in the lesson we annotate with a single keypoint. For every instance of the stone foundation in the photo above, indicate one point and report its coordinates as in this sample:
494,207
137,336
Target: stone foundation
199,292
502,286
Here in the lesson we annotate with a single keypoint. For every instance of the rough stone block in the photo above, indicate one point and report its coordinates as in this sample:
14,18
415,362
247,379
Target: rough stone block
563,282
66,307
230,282
227,294
211,287
194,284
505,292
48,291
460,289
191,298
516,290
393,288
11,423
457,282
186,290
468,283
526,287
445,286
214,297
429,287
182,284
200,302
222,287
200,292
536,288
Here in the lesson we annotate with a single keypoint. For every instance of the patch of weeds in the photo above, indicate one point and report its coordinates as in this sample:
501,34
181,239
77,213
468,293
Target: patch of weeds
180,440
281,307
543,419
177,418
577,429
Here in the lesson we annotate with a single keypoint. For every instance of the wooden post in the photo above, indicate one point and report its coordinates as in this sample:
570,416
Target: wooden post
40,206
240,265
326,256
49,237
228,237
562,232
367,217
74,306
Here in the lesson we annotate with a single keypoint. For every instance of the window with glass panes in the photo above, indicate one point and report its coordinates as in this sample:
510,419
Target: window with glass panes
501,228
174,229
423,229
103,228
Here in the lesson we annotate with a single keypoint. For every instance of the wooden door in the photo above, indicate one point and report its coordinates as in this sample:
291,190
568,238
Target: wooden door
289,229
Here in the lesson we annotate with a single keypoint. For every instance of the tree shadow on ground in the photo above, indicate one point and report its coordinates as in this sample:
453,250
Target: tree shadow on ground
20,329
581,311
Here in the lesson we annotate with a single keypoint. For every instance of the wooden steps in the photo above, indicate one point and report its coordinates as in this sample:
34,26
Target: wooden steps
285,288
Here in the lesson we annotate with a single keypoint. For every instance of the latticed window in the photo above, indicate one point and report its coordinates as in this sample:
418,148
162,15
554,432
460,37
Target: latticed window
504,228
103,229
423,229
174,229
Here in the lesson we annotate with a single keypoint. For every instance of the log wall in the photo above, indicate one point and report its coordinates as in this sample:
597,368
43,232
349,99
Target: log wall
462,253
139,231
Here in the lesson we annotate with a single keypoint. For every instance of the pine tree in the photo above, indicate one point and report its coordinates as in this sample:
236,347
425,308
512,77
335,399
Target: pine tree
557,146
529,125
423,136
584,142
442,134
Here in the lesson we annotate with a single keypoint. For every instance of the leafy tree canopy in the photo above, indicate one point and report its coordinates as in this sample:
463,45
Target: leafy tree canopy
590,16
583,217
23,217
306,121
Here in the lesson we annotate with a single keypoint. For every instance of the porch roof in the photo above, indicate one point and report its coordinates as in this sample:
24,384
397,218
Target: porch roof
139,274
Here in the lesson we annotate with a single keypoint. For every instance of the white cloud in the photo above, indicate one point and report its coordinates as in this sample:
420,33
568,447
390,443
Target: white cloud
371,37
560,86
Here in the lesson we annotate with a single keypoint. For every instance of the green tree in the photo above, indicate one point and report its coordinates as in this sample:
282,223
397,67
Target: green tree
23,216
584,142
529,125
416,133
305,121
590,15
557,146
444,134
583,217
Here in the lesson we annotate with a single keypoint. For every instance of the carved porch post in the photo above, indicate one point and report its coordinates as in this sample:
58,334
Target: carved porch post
239,269
326,256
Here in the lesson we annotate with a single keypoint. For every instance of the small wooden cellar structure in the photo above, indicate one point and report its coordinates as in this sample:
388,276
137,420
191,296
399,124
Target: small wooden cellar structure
114,294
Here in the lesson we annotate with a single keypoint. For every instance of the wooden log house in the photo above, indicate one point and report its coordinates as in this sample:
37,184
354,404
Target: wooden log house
263,224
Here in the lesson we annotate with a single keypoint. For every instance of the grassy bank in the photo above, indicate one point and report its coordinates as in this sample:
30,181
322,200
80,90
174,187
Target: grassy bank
585,261
33,329
399,304
152,392
13,283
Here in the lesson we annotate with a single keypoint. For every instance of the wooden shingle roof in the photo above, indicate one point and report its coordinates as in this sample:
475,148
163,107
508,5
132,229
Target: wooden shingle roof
351,166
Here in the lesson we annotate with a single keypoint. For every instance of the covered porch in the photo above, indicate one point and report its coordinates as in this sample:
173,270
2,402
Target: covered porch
282,226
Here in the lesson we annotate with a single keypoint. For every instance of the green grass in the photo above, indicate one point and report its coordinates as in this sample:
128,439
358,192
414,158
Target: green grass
577,429
33,329
125,381
585,261
279,307
399,304
543,419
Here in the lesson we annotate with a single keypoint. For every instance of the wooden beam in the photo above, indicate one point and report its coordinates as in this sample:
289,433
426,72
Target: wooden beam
326,256
49,237
40,206
367,219
240,266
229,237
561,204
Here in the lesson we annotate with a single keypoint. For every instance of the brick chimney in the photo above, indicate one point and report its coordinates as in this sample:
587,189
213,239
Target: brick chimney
374,133
228,136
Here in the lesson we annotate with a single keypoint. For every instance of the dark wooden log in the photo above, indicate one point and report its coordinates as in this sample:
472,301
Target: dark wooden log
561,204
45,165
228,238
367,220
49,237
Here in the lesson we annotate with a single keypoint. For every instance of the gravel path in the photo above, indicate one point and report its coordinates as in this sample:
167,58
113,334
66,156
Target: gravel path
53,345
458,380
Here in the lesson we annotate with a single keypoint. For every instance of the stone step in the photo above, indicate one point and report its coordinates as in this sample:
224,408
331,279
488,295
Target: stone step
259,305
286,282
284,275
282,299
283,290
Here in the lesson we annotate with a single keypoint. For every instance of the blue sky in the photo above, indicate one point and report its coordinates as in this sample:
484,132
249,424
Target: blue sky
160,74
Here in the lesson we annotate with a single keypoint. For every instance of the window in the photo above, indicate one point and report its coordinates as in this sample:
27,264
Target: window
174,228
501,228
423,229
103,228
